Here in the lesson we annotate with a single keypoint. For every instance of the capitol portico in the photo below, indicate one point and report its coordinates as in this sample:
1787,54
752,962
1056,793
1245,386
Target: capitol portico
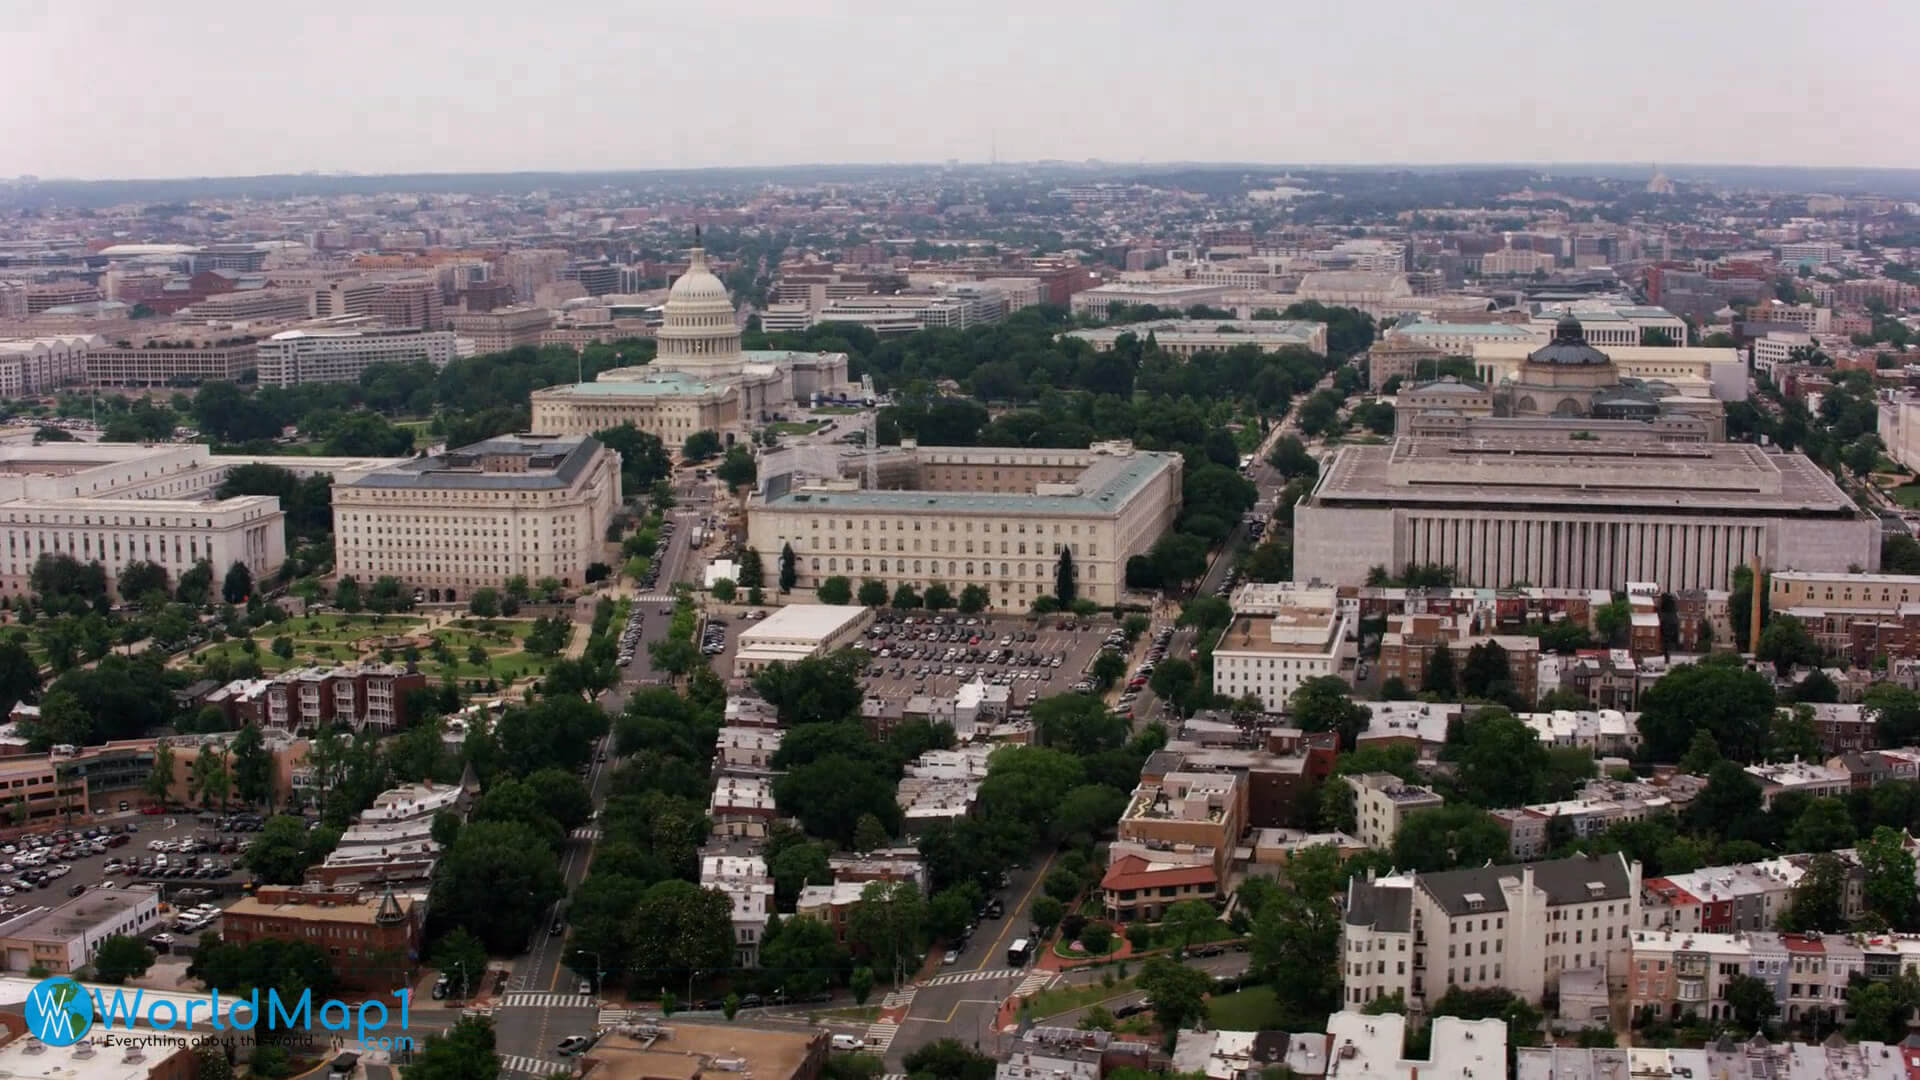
700,379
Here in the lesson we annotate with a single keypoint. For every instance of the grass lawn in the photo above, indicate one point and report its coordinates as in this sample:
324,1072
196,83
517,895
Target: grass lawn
232,649
1052,1002
1216,930
802,427
835,410
1252,1009
1907,495
865,1014
503,667
1062,947
344,628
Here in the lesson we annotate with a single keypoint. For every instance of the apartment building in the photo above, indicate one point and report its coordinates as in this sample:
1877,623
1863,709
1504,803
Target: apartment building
1775,349
1277,640
1275,766
338,297
1420,725
1604,732
531,505
1383,802
744,880
746,750
411,303
1411,640
1517,927
1175,842
1678,974
1537,829
742,806
252,305
180,358
502,328
371,942
1809,778
364,697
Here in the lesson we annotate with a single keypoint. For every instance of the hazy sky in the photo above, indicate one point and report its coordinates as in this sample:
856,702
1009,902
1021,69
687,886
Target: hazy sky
118,89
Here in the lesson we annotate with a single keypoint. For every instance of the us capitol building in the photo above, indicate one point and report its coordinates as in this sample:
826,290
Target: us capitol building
700,379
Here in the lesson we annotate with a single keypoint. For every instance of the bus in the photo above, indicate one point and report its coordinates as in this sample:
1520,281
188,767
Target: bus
1019,953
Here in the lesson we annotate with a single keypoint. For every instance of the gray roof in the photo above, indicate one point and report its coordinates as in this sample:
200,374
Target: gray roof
1162,762
1568,348
1385,909
1102,488
556,463
1565,881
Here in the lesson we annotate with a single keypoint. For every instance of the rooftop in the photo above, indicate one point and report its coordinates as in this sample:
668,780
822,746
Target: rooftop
79,916
811,621
682,1051
357,910
543,461
1107,484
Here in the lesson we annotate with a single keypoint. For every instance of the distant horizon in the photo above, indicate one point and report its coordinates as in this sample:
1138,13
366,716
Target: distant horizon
1568,167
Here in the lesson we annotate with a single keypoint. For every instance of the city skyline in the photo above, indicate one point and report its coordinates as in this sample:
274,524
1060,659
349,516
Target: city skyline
437,90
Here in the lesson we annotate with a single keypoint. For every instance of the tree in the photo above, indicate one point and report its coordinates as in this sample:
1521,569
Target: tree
1702,754
1179,993
701,445
947,1059
1177,682
209,778
138,578
484,602
873,593
1734,704
462,958
804,956
1107,668
830,795
1729,804
1439,675
1323,703
1047,912
238,584
285,848
120,958
1818,901
1078,724
1889,896
1176,558
835,590
1751,1000
906,597
19,675
1065,583
252,767
737,468
1486,666
937,597
724,590
861,984
160,777
1897,713
496,880
1186,920
1501,761
466,1052
1291,458
885,925
869,834
789,572
1786,644
974,599
1446,837
1825,825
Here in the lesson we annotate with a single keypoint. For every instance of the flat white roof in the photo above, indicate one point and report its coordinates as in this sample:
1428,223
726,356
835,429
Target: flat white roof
815,621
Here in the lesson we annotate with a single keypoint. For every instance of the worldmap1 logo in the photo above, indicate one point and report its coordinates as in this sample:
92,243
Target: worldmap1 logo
59,1011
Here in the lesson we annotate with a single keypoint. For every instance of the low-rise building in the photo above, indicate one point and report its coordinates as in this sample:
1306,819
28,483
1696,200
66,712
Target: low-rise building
831,904
1065,1053
1098,301
1175,841
681,1050
63,939
1604,732
1411,640
1810,778
1185,337
798,632
1421,725
1383,802
371,942
742,806
745,750
1363,1047
748,887
324,353
1278,640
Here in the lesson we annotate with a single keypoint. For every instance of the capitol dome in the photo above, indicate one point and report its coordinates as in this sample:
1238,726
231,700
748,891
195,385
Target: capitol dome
697,329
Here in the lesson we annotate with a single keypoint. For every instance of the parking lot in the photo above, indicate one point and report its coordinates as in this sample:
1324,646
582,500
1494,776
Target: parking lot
934,654
48,868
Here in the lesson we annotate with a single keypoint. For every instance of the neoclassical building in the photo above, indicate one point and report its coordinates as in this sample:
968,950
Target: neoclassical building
1565,380
700,380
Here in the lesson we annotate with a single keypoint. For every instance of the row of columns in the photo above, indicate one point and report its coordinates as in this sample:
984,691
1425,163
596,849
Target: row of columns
1582,553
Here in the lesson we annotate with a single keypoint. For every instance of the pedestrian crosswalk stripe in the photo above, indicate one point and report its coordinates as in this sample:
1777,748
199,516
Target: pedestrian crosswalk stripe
654,598
550,1001
899,999
616,1016
586,832
1034,983
880,1035
971,976
540,1067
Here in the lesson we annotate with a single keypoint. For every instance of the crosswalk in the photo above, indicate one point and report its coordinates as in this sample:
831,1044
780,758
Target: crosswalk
610,1017
654,598
1034,983
586,832
880,1035
532,1066
549,1001
971,976
899,999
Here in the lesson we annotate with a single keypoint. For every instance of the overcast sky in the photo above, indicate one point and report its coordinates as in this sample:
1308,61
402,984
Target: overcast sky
212,87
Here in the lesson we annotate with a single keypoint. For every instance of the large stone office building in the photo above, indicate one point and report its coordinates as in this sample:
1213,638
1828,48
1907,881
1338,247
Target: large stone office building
992,516
536,505
1556,511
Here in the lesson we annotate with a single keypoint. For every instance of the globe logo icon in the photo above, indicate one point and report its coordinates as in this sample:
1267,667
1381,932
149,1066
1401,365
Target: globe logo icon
59,1011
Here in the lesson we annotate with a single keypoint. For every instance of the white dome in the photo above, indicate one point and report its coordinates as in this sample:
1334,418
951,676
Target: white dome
697,331
698,283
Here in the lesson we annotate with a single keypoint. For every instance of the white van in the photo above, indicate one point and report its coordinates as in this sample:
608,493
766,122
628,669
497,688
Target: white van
848,1042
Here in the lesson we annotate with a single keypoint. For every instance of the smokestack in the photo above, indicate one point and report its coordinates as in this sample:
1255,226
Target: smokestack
1754,599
